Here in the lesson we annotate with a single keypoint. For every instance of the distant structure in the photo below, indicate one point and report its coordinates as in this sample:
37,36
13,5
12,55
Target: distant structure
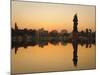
16,27
75,23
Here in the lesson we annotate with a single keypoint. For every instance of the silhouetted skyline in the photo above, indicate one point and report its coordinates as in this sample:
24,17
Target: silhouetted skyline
41,37
52,37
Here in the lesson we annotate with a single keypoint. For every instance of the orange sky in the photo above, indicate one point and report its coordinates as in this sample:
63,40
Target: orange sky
33,15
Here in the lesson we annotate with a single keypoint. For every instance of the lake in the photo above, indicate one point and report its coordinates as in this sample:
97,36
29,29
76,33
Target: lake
53,58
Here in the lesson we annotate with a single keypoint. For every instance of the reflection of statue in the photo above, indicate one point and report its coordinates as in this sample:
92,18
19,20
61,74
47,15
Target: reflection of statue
75,40
75,46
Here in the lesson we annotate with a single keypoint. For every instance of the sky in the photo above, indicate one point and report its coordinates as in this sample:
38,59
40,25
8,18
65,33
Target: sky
50,16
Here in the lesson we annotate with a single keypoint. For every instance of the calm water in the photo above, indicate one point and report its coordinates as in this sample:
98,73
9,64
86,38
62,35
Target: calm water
52,58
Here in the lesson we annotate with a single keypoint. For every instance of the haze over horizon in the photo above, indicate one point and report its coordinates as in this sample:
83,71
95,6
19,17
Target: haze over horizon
50,16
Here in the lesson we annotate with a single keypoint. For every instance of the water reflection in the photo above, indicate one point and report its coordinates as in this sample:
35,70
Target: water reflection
42,44
75,49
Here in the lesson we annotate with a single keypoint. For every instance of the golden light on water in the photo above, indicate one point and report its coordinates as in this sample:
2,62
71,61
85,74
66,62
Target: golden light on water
52,58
